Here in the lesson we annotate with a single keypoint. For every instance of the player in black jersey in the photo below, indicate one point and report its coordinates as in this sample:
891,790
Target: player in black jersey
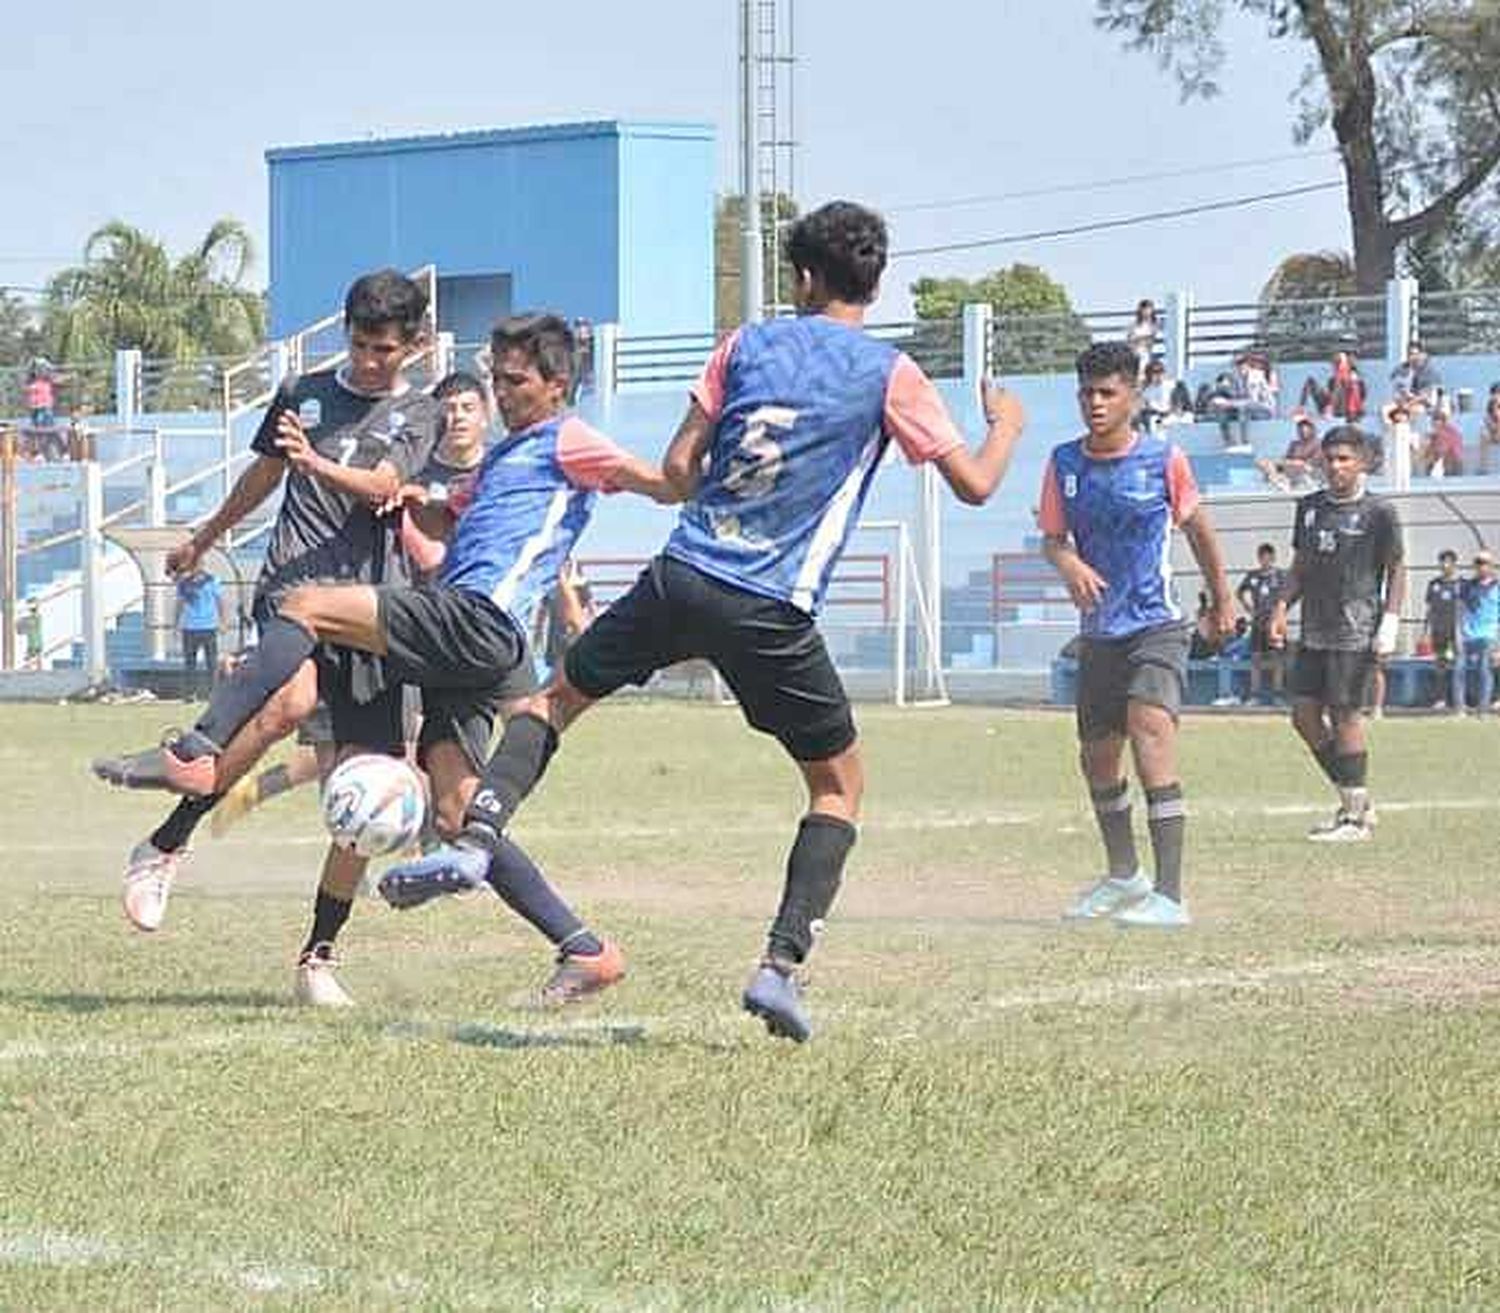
1257,593
1348,574
338,443
1441,626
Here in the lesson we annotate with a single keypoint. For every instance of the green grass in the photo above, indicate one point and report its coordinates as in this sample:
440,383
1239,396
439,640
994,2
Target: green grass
1292,1105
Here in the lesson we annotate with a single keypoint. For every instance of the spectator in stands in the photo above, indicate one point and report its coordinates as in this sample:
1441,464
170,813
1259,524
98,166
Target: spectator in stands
200,615
1489,432
1479,621
1301,466
583,351
1343,397
1252,396
41,393
1415,383
1143,333
1443,452
1257,593
1440,631
1163,400
29,627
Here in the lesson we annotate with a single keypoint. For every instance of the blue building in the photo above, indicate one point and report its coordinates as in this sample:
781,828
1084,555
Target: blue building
611,222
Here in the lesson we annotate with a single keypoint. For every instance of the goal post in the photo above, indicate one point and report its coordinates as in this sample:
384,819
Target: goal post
916,659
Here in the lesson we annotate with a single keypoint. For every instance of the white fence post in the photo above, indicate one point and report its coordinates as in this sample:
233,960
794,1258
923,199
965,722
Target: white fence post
977,321
1174,332
1400,319
606,346
279,359
127,387
155,610
92,548
442,357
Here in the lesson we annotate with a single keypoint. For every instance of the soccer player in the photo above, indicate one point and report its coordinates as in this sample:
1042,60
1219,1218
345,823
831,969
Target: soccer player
1109,502
1347,573
447,477
459,638
1441,629
1257,593
339,442
784,432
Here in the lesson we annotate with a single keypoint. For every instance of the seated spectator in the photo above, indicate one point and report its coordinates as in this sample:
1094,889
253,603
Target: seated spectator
1141,337
1163,400
1343,397
1237,648
1415,384
1301,466
1253,389
1443,452
1489,432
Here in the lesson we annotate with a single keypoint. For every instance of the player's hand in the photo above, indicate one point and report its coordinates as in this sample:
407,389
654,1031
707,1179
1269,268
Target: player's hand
1001,407
1387,634
408,494
183,559
292,442
1276,629
1224,619
1086,585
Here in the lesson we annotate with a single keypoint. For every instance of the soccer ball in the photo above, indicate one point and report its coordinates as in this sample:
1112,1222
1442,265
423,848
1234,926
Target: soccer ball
374,805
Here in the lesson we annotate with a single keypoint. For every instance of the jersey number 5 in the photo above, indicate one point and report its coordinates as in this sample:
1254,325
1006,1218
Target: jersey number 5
756,463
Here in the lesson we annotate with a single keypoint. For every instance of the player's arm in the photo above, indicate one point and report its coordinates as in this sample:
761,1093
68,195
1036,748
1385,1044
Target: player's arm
591,460
375,486
973,476
647,480
1198,529
257,481
683,463
1085,584
1394,561
1291,593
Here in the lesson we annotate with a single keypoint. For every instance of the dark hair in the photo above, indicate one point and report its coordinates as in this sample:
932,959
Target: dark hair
545,339
1447,554
1265,548
386,297
845,245
1347,435
459,381
1106,359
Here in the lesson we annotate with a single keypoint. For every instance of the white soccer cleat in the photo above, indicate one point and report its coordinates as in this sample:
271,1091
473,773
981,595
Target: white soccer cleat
1109,896
1343,828
317,986
1153,912
148,884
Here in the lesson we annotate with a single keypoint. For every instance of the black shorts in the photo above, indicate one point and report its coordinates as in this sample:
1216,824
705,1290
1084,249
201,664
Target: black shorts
1336,679
1445,645
768,652
348,714
463,652
1150,666
1260,639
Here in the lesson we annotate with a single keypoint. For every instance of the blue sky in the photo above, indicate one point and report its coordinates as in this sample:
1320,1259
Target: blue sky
160,115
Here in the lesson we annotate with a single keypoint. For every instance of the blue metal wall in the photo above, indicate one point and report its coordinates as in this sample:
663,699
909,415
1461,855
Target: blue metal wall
607,221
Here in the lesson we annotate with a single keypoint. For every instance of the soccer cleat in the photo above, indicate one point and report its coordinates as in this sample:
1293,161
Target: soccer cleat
775,997
1153,912
1109,896
579,975
1343,828
450,869
316,984
242,799
162,769
148,884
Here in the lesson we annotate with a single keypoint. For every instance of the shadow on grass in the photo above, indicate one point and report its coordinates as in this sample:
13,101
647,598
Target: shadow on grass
86,1003
485,1035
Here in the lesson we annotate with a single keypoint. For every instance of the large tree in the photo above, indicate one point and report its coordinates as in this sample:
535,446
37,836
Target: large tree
130,293
1036,327
1410,89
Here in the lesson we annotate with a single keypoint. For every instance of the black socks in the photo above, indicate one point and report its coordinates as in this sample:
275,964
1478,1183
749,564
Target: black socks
329,915
172,835
524,889
519,762
1166,819
1112,811
814,870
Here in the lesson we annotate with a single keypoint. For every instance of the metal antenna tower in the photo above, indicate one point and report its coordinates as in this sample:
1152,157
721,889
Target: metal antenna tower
767,144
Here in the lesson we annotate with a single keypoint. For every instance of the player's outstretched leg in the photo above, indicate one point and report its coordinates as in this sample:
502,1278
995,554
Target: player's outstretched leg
255,791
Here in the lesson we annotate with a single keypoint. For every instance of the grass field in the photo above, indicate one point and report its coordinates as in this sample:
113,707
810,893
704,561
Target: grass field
1291,1105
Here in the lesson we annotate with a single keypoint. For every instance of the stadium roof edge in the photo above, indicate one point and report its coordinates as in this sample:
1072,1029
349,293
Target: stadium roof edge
493,136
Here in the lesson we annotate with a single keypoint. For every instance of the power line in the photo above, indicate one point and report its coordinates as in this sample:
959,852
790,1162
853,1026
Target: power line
1130,221
1062,189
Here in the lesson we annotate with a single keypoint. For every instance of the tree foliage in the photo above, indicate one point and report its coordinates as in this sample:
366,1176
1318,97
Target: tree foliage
776,289
1409,88
1036,328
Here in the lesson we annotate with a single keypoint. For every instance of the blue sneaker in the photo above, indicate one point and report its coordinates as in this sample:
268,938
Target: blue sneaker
1109,896
1153,912
451,869
776,998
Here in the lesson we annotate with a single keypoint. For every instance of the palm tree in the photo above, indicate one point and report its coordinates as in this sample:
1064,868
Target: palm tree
128,293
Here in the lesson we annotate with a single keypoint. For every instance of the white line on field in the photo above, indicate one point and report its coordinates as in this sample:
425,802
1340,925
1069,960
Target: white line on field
41,1051
1240,978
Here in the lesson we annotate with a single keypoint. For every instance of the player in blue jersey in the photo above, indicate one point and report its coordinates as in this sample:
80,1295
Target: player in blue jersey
1110,500
783,435
459,638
